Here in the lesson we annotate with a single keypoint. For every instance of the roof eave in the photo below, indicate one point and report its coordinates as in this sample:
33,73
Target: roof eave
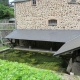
66,52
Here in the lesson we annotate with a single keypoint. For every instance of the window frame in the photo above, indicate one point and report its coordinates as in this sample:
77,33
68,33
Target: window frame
52,22
34,2
72,2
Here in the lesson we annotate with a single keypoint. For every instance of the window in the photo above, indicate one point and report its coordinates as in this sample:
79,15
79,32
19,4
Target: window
34,2
72,2
52,22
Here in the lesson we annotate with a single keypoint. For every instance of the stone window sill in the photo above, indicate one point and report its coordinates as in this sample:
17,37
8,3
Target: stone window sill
33,4
52,25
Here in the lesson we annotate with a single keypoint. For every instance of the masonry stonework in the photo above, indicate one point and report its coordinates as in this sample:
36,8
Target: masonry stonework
36,17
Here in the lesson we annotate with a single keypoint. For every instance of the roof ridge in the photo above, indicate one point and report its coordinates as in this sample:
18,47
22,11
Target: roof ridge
73,38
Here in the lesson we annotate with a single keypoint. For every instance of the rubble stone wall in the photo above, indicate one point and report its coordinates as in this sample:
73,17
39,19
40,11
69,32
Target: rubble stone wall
36,17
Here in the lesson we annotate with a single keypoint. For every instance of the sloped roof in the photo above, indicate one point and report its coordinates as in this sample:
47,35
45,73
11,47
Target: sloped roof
69,46
44,35
12,19
15,1
71,38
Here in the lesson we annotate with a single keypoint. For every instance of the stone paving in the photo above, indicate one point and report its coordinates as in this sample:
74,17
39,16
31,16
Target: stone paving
70,77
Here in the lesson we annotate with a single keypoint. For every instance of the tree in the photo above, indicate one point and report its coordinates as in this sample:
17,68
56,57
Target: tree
5,2
6,12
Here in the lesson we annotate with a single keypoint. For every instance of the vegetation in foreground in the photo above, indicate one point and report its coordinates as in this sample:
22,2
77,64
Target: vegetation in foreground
3,47
35,59
20,71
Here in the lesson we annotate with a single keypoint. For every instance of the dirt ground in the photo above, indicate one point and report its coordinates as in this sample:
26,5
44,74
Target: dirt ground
70,77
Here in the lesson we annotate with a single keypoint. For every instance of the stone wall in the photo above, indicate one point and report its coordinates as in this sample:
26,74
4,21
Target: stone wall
7,26
36,17
4,20
4,33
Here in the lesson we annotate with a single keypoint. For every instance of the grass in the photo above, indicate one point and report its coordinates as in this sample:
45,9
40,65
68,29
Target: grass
3,47
35,59
20,71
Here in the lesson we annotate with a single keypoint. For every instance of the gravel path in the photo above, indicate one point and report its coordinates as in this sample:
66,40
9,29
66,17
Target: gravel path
70,77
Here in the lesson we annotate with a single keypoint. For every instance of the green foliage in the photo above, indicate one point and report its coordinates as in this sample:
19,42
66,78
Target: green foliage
5,2
43,53
29,55
19,71
48,54
3,47
34,61
39,60
6,12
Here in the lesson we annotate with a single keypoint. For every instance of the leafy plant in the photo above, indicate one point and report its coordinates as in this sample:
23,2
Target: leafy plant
3,47
6,12
48,54
28,55
5,2
19,71
43,53
34,61
31,58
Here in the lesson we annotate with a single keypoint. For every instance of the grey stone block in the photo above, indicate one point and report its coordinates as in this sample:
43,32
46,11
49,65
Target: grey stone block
69,68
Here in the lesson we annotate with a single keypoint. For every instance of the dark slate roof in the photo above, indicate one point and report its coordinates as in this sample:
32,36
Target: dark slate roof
69,46
15,1
45,35
71,38
12,19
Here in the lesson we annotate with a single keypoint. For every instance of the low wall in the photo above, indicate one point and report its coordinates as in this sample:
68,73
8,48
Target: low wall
7,26
3,34
5,29
4,20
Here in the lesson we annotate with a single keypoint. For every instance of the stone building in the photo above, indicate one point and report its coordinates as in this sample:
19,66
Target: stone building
47,14
47,25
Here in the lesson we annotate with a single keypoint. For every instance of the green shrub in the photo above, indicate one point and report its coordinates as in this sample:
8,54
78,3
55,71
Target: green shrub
3,47
49,54
21,60
29,54
16,52
43,53
6,12
19,71
34,61
40,61
34,53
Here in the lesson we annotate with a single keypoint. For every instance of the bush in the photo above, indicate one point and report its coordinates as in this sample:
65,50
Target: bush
6,12
43,53
34,53
34,61
19,71
29,54
49,54
21,60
